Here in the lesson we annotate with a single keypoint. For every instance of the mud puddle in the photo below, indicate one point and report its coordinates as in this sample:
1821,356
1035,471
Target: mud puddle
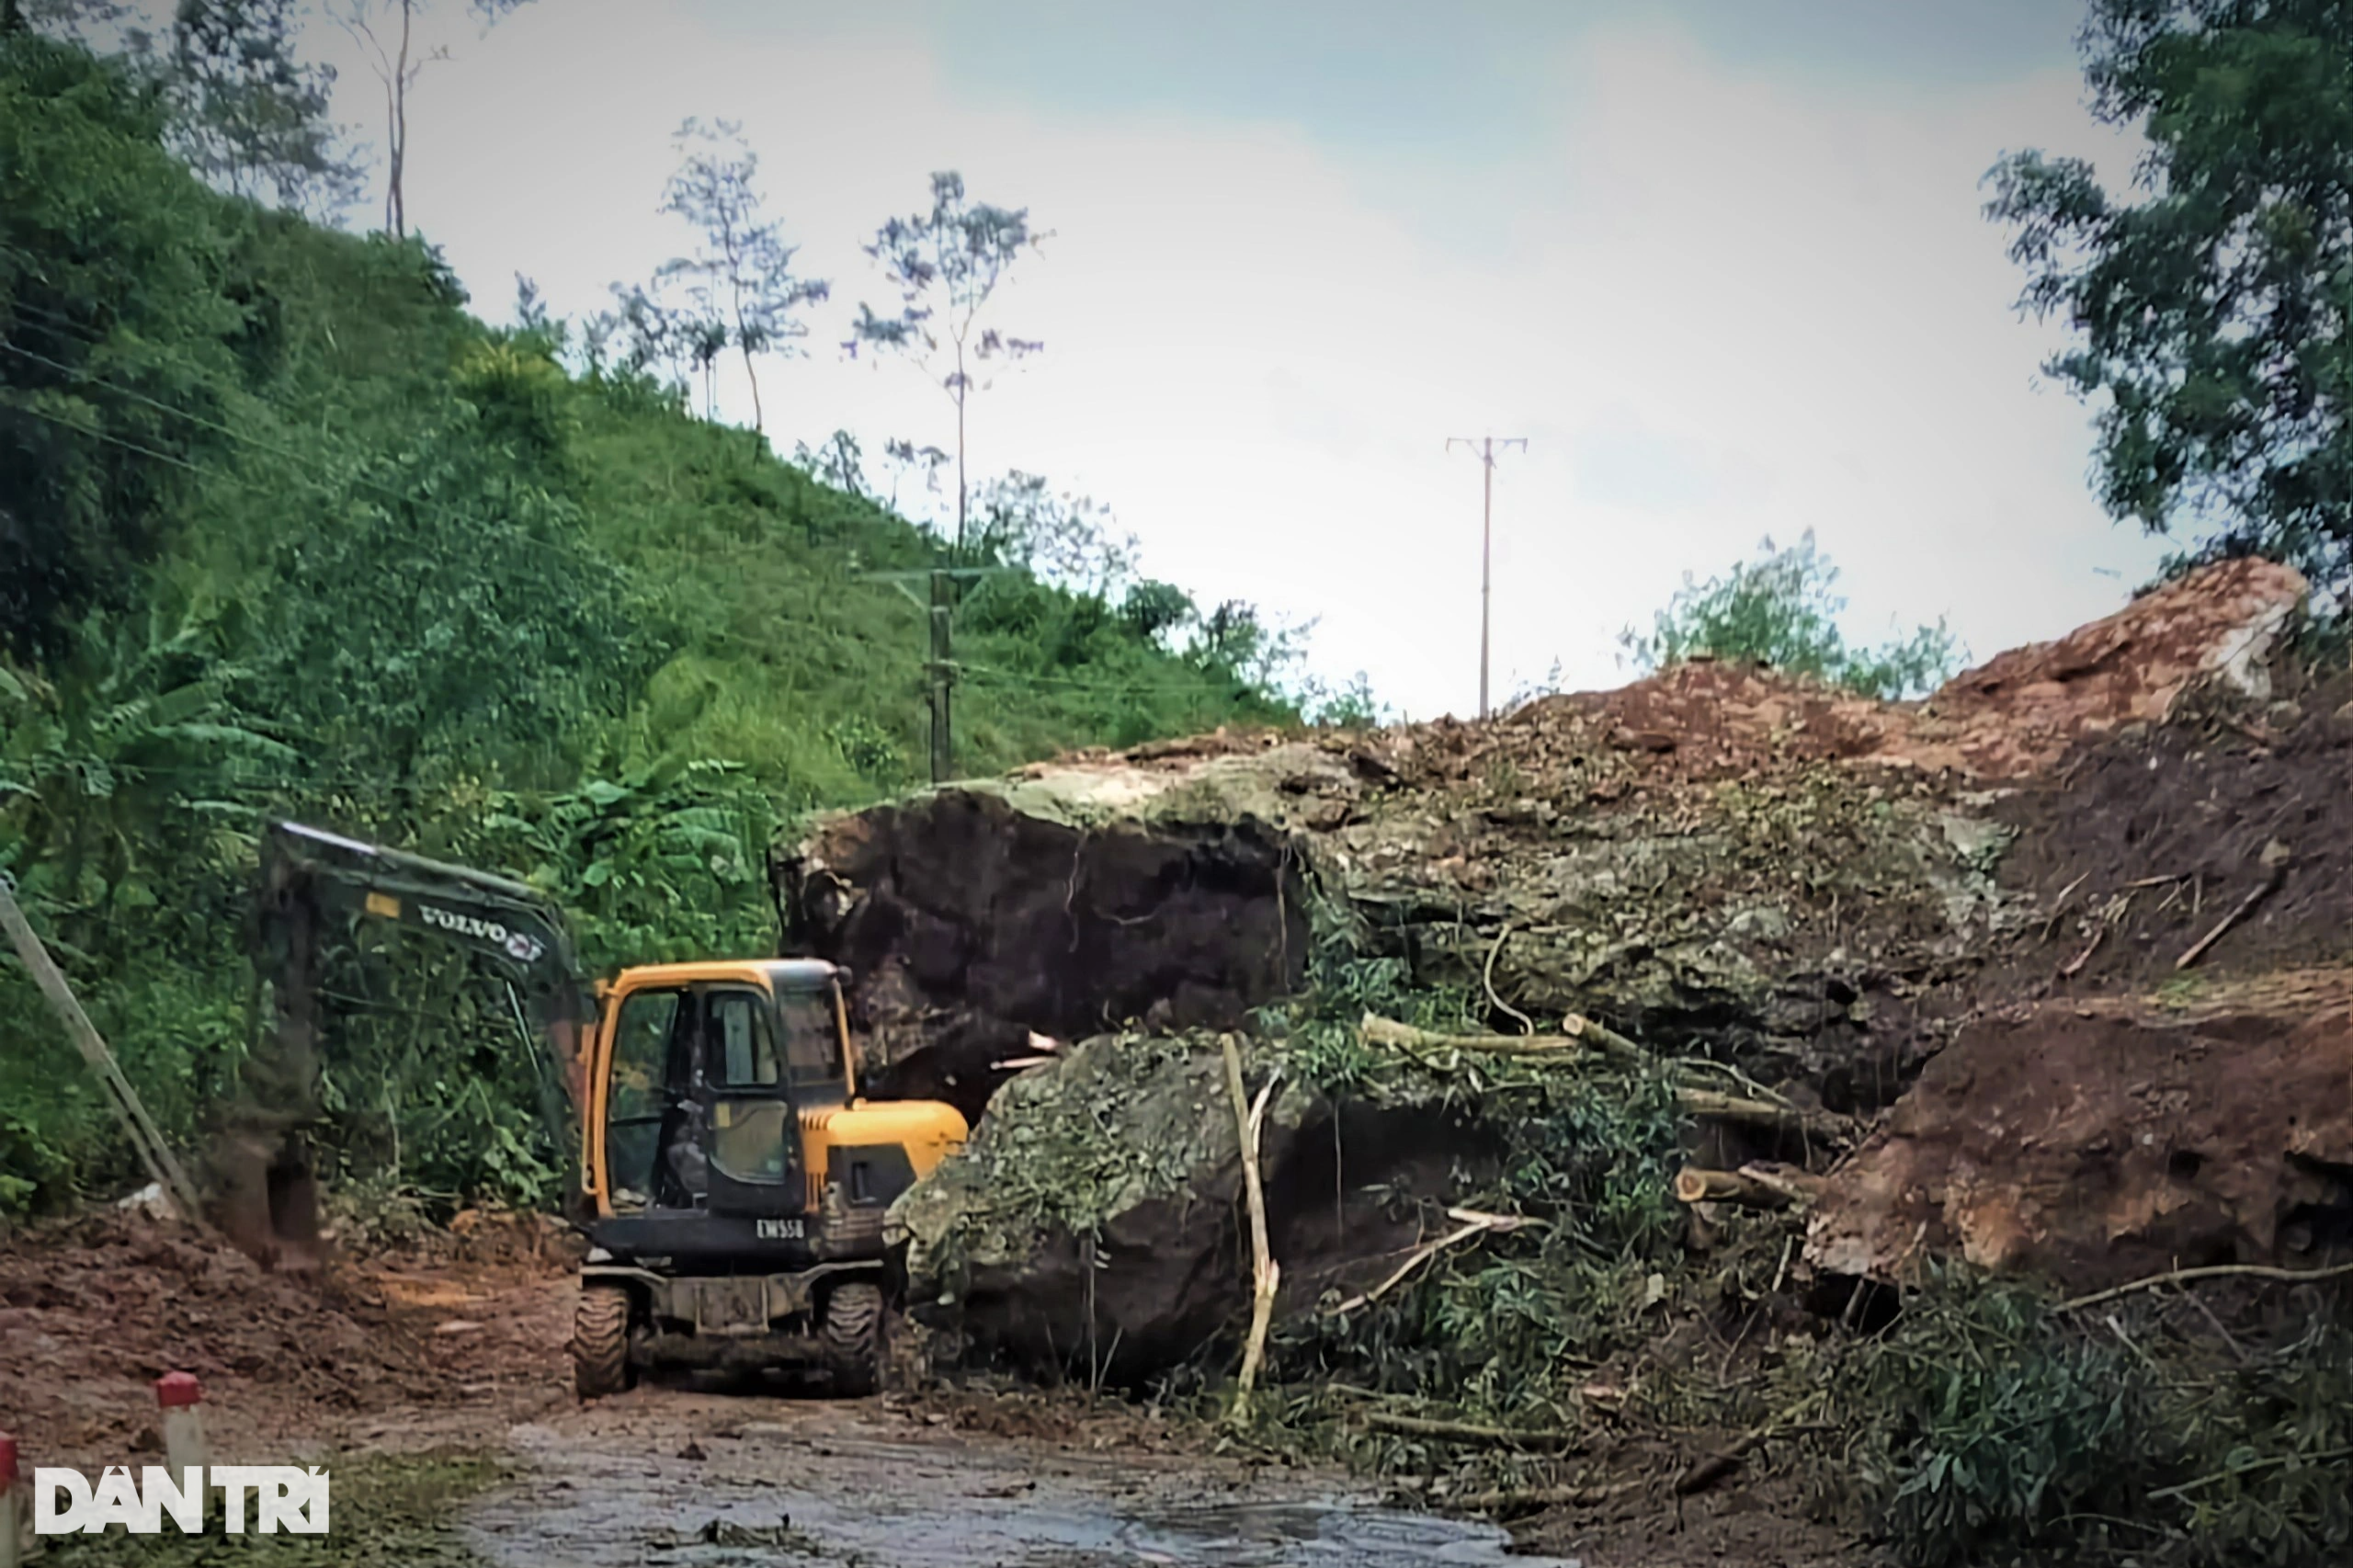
702,1487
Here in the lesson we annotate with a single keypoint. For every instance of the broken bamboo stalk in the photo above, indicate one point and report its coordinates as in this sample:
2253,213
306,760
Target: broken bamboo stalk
1265,1276
1375,1029
1472,1223
1552,1437
146,1138
1712,1105
1759,1186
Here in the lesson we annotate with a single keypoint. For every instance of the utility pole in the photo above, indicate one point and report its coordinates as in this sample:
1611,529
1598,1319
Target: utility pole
941,670
938,604
1485,448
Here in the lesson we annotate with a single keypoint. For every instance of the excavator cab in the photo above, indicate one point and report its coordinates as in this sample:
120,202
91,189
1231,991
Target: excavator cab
730,1181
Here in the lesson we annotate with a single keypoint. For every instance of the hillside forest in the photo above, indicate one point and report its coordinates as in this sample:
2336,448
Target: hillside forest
287,528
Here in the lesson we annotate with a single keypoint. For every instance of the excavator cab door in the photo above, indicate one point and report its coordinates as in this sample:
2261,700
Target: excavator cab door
743,1087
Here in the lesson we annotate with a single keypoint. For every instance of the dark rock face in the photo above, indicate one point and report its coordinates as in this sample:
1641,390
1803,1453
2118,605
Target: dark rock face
969,924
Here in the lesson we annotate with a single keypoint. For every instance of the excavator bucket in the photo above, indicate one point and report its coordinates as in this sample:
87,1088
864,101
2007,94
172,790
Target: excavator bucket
264,1189
266,1201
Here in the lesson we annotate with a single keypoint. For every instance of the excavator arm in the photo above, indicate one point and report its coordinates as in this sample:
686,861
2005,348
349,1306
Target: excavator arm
310,877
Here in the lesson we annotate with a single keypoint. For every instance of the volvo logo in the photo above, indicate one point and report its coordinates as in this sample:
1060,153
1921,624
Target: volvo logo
520,946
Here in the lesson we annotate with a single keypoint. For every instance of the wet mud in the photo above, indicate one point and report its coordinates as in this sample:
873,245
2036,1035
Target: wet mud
772,1481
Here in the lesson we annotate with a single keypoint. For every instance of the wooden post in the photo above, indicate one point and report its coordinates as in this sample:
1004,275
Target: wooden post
145,1137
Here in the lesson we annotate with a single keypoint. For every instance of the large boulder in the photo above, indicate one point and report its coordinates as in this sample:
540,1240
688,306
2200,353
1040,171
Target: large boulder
1096,1225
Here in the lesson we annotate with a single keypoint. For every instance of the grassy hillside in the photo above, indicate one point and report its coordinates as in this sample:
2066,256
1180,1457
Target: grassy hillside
284,528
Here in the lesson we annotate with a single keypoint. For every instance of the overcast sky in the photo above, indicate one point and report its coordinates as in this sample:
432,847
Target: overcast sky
1722,262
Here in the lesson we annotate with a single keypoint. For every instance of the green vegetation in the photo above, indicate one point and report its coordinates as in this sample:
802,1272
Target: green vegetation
1779,610
285,530
2209,308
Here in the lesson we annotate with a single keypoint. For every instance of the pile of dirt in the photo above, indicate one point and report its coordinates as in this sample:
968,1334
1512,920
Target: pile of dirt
2103,1140
93,1311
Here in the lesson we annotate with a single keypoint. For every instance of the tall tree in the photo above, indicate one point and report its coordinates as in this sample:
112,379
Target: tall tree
386,29
741,276
251,116
2209,306
947,265
113,316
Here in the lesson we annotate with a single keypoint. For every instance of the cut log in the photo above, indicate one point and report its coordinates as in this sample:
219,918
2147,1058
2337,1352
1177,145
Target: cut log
1711,1105
1751,1187
1578,1026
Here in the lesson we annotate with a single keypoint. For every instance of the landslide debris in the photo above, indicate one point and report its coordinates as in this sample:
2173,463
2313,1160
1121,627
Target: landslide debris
2102,1139
1816,892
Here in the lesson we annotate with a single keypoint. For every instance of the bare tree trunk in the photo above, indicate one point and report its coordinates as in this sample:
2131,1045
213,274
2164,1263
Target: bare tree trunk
395,204
759,422
963,389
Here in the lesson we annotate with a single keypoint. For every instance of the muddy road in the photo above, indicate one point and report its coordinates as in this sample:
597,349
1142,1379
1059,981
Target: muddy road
457,1348
669,1476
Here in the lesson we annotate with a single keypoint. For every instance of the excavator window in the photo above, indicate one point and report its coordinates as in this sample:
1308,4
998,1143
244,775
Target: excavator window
753,1128
643,1110
811,1047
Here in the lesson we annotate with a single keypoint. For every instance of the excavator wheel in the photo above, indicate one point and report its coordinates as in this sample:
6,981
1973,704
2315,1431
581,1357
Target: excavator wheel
853,1330
600,1342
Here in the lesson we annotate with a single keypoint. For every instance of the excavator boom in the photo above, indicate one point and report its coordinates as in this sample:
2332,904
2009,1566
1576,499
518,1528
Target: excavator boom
310,877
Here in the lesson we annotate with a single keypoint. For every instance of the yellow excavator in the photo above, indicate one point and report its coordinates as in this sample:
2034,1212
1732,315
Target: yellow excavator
729,1182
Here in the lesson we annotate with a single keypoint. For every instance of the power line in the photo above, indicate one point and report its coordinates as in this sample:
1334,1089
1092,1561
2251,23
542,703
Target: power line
1485,447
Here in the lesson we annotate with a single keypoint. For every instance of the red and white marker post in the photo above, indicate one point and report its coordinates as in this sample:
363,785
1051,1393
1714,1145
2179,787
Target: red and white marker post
182,1398
16,1507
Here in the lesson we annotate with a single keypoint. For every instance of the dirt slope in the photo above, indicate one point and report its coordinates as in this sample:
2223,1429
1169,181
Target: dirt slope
461,1339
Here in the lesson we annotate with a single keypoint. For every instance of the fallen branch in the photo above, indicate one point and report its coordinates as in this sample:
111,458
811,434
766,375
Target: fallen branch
2273,1461
2212,1271
2274,860
1759,1186
1711,1105
1469,1432
1704,1473
1267,1275
1472,1223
